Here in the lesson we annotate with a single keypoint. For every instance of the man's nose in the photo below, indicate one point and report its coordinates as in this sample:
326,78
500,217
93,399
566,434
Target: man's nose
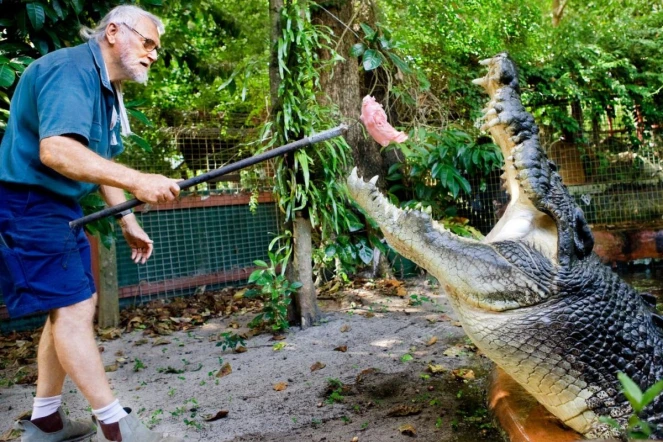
153,56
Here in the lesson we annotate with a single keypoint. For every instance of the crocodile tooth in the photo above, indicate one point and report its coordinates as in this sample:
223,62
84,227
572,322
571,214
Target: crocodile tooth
480,81
491,123
374,180
486,61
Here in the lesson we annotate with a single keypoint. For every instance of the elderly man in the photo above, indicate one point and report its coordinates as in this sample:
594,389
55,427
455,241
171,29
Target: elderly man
66,118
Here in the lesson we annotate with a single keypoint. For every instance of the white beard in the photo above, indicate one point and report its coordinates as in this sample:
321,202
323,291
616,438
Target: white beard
132,67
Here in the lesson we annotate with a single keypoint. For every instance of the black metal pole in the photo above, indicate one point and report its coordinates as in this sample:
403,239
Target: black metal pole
304,142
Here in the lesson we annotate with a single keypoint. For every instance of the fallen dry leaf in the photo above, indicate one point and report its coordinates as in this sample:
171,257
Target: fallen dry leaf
109,334
407,430
454,351
431,341
404,410
369,314
11,434
160,341
318,366
435,368
280,386
219,415
345,328
277,338
341,348
355,439
141,341
401,292
241,349
110,368
225,370
457,324
464,373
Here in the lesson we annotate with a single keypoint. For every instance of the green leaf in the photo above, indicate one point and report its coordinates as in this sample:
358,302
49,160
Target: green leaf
406,358
371,60
138,115
260,263
54,38
78,5
141,142
357,50
651,393
42,45
36,14
152,2
57,7
385,43
303,160
6,22
368,31
365,254
7,76
631,391
330,250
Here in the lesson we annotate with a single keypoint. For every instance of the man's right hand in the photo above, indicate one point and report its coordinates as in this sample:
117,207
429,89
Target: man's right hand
153,189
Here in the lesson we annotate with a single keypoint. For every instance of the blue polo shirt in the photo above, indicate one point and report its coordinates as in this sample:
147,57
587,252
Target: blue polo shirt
66,92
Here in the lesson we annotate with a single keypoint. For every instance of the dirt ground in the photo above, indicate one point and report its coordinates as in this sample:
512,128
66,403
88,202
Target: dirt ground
388,362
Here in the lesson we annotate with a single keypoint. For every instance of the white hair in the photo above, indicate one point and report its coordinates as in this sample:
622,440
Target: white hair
127,14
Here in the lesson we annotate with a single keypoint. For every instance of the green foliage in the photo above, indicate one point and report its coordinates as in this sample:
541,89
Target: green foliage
231,341
637,428
29,30
436,170
275,292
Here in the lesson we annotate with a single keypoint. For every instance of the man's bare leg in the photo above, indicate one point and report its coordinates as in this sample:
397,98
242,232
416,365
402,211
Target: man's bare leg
73,338
50,374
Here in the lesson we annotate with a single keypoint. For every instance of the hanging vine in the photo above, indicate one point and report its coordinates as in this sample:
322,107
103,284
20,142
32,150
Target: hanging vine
306,181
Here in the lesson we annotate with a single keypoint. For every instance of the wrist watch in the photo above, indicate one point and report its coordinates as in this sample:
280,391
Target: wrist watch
123,213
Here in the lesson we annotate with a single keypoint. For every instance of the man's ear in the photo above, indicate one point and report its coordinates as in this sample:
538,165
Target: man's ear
111,32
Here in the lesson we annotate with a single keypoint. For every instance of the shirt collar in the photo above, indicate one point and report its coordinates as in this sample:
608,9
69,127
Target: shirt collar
95,49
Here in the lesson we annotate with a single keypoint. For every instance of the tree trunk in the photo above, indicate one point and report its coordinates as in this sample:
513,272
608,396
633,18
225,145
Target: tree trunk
305,300
558,11
343,82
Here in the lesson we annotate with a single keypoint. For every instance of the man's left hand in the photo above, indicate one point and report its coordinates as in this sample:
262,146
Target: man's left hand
141,245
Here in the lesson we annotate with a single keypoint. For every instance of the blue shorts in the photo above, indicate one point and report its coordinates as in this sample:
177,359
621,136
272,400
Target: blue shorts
44,265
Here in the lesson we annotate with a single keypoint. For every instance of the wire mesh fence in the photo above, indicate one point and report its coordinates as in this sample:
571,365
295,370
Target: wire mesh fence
614,174
211,236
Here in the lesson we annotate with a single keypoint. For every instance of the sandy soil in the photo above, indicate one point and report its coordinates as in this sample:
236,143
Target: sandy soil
381,388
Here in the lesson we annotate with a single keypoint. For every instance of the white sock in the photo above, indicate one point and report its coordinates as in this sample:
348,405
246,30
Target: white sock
45,406
111,413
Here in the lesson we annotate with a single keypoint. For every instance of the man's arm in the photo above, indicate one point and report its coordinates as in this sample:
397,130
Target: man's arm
74,160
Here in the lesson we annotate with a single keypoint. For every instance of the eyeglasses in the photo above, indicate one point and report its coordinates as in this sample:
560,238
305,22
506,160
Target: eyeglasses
149,44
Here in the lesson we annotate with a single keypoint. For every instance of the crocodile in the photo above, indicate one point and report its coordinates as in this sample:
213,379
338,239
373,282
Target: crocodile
532,295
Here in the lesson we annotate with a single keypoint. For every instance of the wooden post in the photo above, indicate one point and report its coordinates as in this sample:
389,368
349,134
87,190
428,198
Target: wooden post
109,300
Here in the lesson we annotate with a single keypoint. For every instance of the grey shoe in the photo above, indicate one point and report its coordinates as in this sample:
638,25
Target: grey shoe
130,429
72,431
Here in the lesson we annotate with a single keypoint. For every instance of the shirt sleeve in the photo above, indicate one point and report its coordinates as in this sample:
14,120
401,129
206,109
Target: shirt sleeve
66,96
